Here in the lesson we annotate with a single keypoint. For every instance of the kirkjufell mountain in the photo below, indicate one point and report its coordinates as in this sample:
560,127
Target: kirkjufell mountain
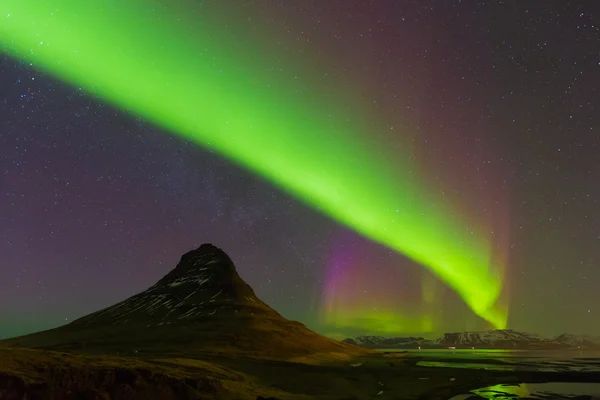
201,306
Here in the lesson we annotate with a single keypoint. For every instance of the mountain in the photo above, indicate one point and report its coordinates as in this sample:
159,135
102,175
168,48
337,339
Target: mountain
202,306
380,342
582,341
492,339
505,338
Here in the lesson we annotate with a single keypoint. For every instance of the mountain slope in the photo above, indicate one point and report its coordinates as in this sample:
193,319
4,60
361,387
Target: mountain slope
201,306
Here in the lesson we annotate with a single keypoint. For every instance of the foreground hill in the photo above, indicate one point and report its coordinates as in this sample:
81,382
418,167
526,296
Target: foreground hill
37,374
493,339
201,306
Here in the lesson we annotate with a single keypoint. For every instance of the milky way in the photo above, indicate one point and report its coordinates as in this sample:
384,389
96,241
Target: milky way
92,190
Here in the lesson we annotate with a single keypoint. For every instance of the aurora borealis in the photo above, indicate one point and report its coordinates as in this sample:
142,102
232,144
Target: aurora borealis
406,168
346,303
319,158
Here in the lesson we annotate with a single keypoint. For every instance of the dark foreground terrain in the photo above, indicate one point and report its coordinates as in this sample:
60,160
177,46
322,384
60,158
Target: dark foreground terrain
39,374
202,333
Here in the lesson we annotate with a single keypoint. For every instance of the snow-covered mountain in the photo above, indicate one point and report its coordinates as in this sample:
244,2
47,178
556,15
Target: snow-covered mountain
380,342
582,341
492,339
506,338
204,284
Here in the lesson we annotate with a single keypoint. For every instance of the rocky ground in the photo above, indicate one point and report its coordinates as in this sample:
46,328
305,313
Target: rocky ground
39,374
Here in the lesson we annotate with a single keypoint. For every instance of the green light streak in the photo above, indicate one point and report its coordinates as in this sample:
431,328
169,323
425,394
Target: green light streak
216,92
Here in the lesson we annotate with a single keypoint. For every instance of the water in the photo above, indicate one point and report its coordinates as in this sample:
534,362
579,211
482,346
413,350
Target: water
518,360
498,354
509,360
552,390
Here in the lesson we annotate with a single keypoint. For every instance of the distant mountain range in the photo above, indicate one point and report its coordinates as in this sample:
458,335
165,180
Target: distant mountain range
201,306
493,339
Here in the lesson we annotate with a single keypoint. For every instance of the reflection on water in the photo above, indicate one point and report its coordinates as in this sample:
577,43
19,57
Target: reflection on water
518,365
499,354
510,360
519,360
553,390
488,367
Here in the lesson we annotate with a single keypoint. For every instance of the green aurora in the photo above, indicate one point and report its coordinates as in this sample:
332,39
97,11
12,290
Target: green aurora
197,81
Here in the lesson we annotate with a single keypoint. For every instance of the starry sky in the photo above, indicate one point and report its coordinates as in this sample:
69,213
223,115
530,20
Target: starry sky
493,103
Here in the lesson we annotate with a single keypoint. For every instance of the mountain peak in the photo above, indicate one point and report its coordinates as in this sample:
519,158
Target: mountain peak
209,249
200,266
204,284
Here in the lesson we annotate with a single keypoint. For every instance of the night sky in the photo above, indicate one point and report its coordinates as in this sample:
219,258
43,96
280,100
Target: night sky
494,102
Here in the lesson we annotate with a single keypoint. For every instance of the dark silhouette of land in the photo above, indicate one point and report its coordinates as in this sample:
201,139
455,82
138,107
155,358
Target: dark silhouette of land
202,333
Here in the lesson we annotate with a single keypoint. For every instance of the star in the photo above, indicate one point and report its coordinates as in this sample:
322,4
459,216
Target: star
480,107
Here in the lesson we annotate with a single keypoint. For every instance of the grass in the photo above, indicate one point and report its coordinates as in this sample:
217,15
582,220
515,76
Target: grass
169,376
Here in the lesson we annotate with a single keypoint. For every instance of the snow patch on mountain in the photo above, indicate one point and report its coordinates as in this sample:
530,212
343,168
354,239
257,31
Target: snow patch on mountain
381,342
205,281
488,337
578,340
